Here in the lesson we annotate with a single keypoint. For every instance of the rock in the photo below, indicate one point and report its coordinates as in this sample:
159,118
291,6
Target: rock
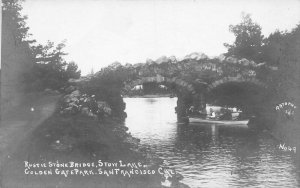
138,65
244,62
231,60
162,59
221,57
104,106
173,59
149,61
70,89
75,93
260,64
76,102
196,56
115,65
252,63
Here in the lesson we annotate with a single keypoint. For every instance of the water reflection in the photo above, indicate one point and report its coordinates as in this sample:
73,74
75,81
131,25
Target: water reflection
150,100
210,156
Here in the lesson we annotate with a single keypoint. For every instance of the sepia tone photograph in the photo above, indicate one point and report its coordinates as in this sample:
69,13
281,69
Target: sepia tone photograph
150,94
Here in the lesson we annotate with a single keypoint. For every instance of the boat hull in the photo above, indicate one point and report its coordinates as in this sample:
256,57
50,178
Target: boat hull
219,122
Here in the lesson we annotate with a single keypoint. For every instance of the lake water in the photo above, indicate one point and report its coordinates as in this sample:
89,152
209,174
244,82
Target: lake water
209,155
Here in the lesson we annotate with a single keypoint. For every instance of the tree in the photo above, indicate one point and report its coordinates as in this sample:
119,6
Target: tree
273,48
72,70
248,42
48,67
16,51
282,49
14,19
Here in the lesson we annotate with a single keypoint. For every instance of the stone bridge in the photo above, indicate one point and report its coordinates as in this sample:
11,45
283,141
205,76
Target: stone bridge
194,93
197,80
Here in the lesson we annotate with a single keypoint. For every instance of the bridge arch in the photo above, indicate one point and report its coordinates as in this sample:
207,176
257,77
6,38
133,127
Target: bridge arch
236,79
162,80
186,93
248,94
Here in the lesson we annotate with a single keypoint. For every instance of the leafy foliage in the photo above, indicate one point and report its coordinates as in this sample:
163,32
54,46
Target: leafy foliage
11,15
76,103
49,70
108,84
248,42
282,49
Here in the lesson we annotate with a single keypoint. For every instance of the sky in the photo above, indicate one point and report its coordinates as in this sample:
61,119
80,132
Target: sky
99,33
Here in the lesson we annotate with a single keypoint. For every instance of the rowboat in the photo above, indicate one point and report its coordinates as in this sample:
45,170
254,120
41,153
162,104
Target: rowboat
220,122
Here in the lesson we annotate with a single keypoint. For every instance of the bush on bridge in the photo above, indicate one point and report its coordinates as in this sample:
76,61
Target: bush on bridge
107,85
77,103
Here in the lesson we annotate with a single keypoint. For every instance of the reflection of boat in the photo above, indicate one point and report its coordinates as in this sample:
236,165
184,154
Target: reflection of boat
219,122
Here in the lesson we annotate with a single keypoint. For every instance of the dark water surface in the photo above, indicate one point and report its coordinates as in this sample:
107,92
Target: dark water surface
208,155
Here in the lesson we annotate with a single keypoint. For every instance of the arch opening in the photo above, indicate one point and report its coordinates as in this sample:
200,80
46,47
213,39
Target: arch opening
184,92
247,96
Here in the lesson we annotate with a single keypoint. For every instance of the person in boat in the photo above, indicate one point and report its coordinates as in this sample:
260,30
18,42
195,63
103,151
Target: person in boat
226,115
202,113
191,109
212,114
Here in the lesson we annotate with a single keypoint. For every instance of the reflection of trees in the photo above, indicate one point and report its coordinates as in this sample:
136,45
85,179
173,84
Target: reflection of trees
237,144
